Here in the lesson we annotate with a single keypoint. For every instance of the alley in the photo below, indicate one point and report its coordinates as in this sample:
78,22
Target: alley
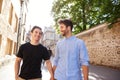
96,73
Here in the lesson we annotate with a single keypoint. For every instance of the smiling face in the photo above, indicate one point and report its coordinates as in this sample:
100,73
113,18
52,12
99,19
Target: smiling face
64,29
36,34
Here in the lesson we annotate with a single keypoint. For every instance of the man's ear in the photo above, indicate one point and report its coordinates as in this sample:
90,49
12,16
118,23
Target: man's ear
69,28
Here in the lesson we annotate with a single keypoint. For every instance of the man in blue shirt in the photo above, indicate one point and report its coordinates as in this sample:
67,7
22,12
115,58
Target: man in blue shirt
71,58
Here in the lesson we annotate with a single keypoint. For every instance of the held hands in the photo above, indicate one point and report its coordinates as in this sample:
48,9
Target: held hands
16,77
52,78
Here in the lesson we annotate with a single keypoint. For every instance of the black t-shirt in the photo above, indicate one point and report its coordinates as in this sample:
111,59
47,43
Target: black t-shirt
32,56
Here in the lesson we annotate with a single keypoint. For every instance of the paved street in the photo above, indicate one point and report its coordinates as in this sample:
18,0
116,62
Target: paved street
96,73
103,73
7,72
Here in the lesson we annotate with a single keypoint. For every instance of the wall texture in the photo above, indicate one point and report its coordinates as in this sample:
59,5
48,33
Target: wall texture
103,45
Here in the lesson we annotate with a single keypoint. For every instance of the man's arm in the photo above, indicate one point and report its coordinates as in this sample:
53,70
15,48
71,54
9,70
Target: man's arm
84,60
17,67
56,59
85,71
49,67
54,68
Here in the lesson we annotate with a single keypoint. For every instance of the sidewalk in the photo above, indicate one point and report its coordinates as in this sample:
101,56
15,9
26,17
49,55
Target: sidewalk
7,72
96,73
6,59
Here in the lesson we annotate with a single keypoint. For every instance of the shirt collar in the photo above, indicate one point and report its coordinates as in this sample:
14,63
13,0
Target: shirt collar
70,38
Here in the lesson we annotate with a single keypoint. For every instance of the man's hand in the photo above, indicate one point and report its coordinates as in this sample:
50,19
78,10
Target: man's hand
85,71
16,77
17,66
52,78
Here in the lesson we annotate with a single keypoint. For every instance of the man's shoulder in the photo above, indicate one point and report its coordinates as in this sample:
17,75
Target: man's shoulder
60,41
42,46
79,40
24,44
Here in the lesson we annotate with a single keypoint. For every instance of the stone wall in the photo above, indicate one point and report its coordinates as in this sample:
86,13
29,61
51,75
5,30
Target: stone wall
103,45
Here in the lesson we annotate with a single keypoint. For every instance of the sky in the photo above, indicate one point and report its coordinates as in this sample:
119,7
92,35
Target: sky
40,13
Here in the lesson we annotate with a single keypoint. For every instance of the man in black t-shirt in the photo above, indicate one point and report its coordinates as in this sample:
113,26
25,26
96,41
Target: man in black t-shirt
32,54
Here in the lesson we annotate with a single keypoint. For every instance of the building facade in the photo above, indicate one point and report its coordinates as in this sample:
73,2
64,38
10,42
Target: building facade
21,37
11,20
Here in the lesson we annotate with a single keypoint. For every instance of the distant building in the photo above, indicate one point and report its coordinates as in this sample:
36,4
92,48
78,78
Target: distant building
50,38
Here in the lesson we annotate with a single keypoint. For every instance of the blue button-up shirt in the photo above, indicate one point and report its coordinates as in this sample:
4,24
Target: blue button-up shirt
71,54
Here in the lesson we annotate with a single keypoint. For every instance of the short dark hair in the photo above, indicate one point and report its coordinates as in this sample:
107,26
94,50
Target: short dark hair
66,22
34,27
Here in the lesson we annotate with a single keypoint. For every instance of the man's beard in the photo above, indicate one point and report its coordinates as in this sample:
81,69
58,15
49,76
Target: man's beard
63,33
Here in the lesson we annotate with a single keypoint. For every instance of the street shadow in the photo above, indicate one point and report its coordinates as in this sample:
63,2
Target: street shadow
93,76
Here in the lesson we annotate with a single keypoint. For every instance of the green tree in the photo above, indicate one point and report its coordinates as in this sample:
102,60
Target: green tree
86,13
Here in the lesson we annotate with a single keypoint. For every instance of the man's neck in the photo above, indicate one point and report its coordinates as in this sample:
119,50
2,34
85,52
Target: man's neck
34,42
68,35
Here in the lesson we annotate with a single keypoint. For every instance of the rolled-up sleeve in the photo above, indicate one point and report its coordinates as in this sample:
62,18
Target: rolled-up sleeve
84,58
56,58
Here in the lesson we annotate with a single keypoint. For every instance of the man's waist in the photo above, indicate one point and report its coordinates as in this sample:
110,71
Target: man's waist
30,75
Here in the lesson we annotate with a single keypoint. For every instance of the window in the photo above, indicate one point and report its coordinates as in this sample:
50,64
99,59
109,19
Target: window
24,19
9,47
10,14
1,5
0,40
15,46
15,22
23,35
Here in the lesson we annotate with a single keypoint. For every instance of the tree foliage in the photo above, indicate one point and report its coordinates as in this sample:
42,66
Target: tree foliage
86,13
